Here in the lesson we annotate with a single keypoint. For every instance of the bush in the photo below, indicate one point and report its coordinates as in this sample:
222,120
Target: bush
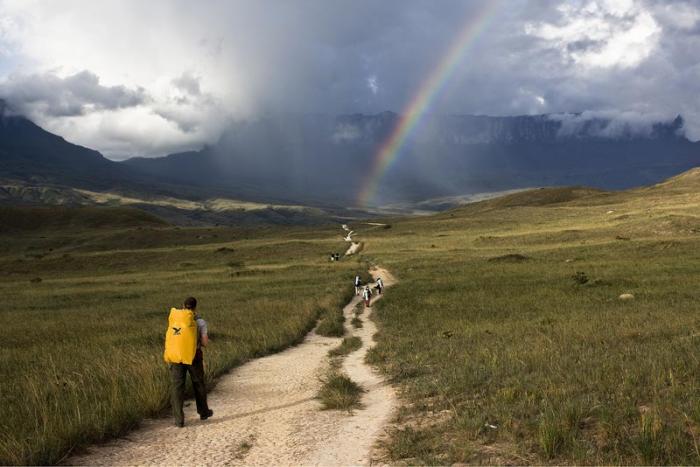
339,392
349,345
356,322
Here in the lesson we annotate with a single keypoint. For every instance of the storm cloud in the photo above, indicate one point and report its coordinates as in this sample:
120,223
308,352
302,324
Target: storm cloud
146,78
64,97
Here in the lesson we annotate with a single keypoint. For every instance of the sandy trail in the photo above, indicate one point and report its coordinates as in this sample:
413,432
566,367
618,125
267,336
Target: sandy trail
354,246
353,439
266,413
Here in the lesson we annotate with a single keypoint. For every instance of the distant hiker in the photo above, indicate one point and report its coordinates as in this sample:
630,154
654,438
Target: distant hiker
367,296
358,283
380,285
184,339
332,257
337,256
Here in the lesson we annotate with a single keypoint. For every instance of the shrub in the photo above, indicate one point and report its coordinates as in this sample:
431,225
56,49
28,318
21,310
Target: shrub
339,392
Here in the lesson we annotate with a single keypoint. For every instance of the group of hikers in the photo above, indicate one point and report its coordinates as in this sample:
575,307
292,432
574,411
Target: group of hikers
335,256
367,291
185,337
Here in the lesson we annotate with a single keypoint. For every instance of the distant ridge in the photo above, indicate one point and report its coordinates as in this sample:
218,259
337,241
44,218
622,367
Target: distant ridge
323,160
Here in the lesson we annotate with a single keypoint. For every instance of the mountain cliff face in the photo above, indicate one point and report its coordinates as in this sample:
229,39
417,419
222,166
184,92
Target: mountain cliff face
30,155
327,159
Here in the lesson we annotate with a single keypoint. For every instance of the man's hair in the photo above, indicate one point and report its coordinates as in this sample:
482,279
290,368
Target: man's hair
190,303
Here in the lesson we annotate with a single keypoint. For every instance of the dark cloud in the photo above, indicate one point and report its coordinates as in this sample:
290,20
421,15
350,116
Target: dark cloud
74,95
203,63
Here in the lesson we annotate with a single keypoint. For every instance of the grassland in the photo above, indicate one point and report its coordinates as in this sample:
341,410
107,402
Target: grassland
85,308
508,340
505,333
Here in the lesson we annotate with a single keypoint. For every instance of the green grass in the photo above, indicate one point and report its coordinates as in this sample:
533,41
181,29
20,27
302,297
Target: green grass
505,333
338,392
505,354
349,345
331,323
81,357
356,322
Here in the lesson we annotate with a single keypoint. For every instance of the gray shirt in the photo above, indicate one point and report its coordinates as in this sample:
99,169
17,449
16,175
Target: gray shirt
202,331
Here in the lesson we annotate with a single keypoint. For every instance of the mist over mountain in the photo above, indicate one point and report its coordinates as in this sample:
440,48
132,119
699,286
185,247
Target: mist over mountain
326,160
317,158
31,154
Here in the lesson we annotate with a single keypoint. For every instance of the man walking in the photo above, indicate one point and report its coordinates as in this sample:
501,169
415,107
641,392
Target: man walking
380,285
358,282
187,334
367,296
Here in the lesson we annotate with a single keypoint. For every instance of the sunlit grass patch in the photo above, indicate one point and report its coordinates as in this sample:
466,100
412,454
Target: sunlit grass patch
349,345
82,349
514,324
339,392
331,323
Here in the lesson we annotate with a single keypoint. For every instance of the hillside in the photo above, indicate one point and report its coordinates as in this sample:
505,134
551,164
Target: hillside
549,326
506,334
21,219
31,154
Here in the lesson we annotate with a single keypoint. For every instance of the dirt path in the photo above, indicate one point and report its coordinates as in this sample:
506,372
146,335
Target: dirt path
265,413
354,246
353,438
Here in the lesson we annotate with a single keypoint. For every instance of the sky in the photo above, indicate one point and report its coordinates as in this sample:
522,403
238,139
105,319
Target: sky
135,78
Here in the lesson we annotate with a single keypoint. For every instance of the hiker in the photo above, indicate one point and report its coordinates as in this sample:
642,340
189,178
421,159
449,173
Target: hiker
367,296
337,256
184,339
380,285
358,282
332,257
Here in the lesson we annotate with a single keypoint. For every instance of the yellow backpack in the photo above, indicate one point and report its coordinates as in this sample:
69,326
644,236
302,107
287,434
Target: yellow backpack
181,337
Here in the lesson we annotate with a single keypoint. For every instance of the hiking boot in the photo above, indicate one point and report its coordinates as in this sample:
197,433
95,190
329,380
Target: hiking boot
207,414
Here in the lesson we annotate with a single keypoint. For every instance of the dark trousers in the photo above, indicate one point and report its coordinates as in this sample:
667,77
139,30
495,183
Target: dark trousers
178,377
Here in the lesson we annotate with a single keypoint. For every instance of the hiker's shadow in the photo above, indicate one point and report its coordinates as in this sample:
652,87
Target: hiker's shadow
215,420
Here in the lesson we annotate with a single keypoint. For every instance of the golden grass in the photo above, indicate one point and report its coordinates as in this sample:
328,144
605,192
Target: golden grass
85,312
504,356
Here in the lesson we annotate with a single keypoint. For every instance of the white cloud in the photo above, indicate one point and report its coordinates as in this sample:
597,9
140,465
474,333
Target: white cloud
372,84
601,33
610,123
195,65
346,133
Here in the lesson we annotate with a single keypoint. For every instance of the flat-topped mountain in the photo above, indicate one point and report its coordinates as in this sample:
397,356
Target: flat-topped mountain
312,158
324,160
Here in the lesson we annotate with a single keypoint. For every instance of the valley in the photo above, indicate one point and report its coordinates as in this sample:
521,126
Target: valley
505,337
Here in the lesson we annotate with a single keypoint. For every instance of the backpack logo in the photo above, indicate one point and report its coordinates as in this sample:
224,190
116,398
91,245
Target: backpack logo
176,331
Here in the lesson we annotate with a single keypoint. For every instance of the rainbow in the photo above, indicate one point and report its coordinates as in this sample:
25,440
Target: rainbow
430,88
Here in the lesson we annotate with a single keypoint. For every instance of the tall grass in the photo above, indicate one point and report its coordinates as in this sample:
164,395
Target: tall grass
516,361
346,347
339,392
332,322
81,356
